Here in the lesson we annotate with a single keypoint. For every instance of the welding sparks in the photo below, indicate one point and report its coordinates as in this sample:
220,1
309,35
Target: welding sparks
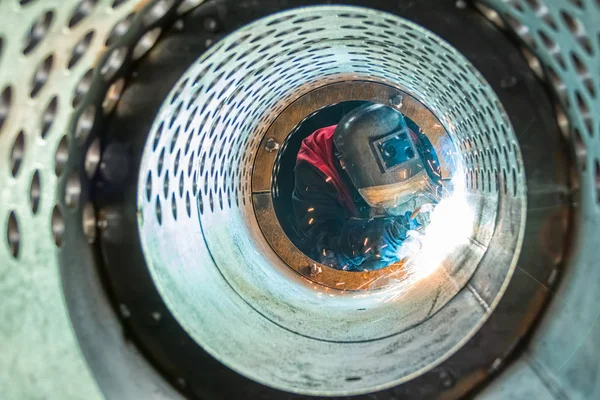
424,251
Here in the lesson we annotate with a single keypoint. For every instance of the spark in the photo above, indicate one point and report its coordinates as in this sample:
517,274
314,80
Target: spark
310,221
328,179
311,209
424,251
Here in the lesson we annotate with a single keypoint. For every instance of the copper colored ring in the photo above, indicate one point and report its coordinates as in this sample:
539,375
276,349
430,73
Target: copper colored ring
295,113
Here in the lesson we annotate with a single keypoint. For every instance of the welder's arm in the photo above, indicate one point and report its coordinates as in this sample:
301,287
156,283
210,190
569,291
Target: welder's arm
370,243
333,237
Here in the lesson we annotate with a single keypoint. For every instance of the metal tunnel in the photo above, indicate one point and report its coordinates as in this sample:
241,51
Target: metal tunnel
144,157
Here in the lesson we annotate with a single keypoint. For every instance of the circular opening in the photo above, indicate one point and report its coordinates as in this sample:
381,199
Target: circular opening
322,210
230,262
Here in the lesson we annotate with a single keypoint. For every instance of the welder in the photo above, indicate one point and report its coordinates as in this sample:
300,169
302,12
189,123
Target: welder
359,185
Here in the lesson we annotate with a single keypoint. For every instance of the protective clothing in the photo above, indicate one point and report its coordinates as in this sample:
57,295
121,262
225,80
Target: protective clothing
334,219
317,150
333,235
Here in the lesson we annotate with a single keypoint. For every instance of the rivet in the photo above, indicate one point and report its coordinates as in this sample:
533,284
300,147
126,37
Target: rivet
315,270
271,145
397,100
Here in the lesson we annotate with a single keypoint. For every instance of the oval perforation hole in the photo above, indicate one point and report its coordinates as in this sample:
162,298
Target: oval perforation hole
166,186
175,115
13,235
161,162
83,9
82,88
181,185
580,149
62,156
195,184
80,49
174,206
157,136
17,154
85,123
5,103
73,190
191,163
597,179
189,123
58,226
92,158
117,3
89,222
120,29
188,142
548,42
188,204
145,43
149,186
113,63
158,210
578,64
40,77
174,140
176,163
48,116
158,11
38,31
35,192
572,23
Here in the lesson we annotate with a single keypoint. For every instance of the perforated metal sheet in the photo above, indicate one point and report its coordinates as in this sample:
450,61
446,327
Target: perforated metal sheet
57,58
30,225
564,35
197,166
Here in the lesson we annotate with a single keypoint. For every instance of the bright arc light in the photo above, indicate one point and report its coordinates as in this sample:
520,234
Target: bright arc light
450,227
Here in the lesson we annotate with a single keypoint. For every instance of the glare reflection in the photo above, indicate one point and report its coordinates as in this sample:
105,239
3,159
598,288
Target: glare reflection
423,252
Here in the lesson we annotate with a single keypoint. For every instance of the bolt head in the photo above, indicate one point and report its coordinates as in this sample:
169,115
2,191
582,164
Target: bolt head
271,145
315,270
397,101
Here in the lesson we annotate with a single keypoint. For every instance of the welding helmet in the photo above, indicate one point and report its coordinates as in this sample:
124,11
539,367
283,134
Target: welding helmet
382,156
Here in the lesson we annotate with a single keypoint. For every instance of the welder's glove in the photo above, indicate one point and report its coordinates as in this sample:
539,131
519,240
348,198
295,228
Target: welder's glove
373,243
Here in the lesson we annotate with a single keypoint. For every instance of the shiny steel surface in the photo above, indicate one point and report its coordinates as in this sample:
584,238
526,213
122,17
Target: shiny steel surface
57,59
223,272
56,322
562,359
